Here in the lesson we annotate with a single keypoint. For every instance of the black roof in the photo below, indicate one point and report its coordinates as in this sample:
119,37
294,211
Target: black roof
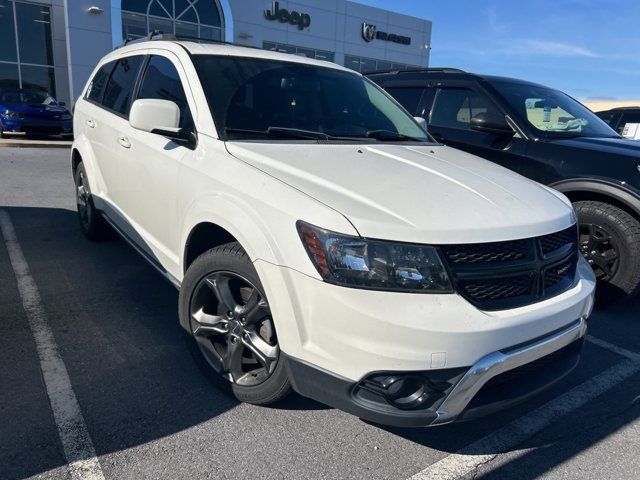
444,72
615,109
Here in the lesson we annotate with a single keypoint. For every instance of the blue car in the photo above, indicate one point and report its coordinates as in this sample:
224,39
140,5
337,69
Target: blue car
32,112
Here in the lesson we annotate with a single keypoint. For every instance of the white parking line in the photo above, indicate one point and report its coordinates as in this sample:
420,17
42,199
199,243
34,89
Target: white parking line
506,438
614,348
76,442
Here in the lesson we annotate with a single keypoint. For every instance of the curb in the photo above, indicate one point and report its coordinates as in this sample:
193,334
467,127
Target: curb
4,143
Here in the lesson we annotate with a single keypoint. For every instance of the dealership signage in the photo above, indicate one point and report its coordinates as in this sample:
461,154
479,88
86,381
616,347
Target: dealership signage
371,32
302,20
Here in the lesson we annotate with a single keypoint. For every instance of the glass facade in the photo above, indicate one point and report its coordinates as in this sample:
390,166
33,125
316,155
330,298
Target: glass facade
361,64
185,18
26,46
301,51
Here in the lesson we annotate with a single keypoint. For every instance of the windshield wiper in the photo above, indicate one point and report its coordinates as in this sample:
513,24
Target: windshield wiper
282,132
390,135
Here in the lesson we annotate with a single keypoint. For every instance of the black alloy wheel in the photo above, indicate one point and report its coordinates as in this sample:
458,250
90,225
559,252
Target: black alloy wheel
599,247
231,322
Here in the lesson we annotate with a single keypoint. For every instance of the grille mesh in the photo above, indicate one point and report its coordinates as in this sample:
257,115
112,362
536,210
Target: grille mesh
494,289
476,253
554,241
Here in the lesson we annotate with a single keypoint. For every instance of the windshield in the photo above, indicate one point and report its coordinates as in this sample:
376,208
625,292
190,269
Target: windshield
270,99
26,96
552,112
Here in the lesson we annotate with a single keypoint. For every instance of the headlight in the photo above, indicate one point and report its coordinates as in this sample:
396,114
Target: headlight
13,115
372,264
66,116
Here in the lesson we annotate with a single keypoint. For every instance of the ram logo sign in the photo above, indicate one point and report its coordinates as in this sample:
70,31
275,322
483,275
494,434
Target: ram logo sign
371,32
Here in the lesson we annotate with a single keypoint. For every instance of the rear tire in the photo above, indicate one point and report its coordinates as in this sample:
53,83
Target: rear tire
93,226
223,304
610,241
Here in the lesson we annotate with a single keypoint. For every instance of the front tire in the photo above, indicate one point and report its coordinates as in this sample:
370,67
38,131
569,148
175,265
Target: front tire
223,303
610,241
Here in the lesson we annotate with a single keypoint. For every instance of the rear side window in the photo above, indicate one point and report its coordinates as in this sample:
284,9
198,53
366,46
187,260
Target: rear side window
117,94
99,81
454,108
409,98
161,81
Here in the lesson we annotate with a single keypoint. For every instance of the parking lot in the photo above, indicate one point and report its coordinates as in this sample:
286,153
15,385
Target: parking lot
148,411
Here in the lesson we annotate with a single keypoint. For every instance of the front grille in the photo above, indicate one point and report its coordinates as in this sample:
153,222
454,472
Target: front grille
486,252
496,289
555,241
509,274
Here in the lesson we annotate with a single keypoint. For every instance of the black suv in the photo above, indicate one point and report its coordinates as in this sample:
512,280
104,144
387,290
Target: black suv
617,118
549,137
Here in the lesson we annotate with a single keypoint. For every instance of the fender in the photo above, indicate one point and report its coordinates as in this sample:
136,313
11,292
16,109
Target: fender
82,145
623,193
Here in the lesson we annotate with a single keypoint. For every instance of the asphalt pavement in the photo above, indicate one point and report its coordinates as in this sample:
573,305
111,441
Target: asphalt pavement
149,411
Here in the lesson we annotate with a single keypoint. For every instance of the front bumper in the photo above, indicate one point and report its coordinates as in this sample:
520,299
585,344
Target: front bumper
37,126
549,359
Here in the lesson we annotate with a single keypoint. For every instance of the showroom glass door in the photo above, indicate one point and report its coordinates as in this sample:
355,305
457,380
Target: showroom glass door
26,47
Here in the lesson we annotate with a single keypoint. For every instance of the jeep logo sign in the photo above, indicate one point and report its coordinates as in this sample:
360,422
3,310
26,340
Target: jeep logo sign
369,32
302,20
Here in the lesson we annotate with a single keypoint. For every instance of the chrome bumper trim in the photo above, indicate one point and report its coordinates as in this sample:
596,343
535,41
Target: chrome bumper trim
501,361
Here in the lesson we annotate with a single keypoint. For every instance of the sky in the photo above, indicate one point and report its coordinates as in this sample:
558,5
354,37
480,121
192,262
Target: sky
587,48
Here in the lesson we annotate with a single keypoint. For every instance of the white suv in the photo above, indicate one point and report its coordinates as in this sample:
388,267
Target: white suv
321,240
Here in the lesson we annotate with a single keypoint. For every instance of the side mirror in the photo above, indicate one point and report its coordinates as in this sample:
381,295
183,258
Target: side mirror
161,117
490,123
422,122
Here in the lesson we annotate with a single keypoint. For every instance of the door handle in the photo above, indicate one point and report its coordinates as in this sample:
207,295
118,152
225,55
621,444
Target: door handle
438,137
124,141
91,123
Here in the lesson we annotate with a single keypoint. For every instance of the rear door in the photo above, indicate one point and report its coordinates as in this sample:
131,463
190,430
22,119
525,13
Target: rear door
451,109
409,97
111,119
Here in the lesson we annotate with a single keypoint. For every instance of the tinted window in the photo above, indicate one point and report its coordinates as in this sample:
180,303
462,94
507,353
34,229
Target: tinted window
96,87
454,108
409,98
161,80
34,33
552,112
628,117
117,95
606,116
255,94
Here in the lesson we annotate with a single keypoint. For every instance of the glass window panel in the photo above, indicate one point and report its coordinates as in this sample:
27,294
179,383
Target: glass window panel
210,33
352,62
139,6
186,13
407,97
9,75
160,24
99,81
186,29
367,65
158,10
7,32
162,81
383,65
208,12
40,79
328,56
306,52
117,95
34,33
269,46
133,25
286,48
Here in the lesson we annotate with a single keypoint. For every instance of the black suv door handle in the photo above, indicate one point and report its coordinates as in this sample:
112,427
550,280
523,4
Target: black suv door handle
438,137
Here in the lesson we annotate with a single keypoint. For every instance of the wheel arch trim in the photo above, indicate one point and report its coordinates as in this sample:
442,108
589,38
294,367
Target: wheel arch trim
608,188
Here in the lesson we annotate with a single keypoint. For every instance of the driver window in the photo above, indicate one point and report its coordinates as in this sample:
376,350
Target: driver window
455,107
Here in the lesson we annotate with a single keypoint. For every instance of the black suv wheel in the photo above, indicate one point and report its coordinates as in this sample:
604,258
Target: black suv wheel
610,241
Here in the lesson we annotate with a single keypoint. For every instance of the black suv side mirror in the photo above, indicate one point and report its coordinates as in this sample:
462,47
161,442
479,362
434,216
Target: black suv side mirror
491,123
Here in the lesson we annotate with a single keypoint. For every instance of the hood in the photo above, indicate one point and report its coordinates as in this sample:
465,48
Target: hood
423,194
616,146
27,108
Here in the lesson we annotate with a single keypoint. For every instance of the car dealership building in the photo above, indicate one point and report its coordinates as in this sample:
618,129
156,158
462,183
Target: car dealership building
53,45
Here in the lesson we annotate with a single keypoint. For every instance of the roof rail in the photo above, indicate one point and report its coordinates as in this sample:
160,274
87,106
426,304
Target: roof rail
158,35
417,69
